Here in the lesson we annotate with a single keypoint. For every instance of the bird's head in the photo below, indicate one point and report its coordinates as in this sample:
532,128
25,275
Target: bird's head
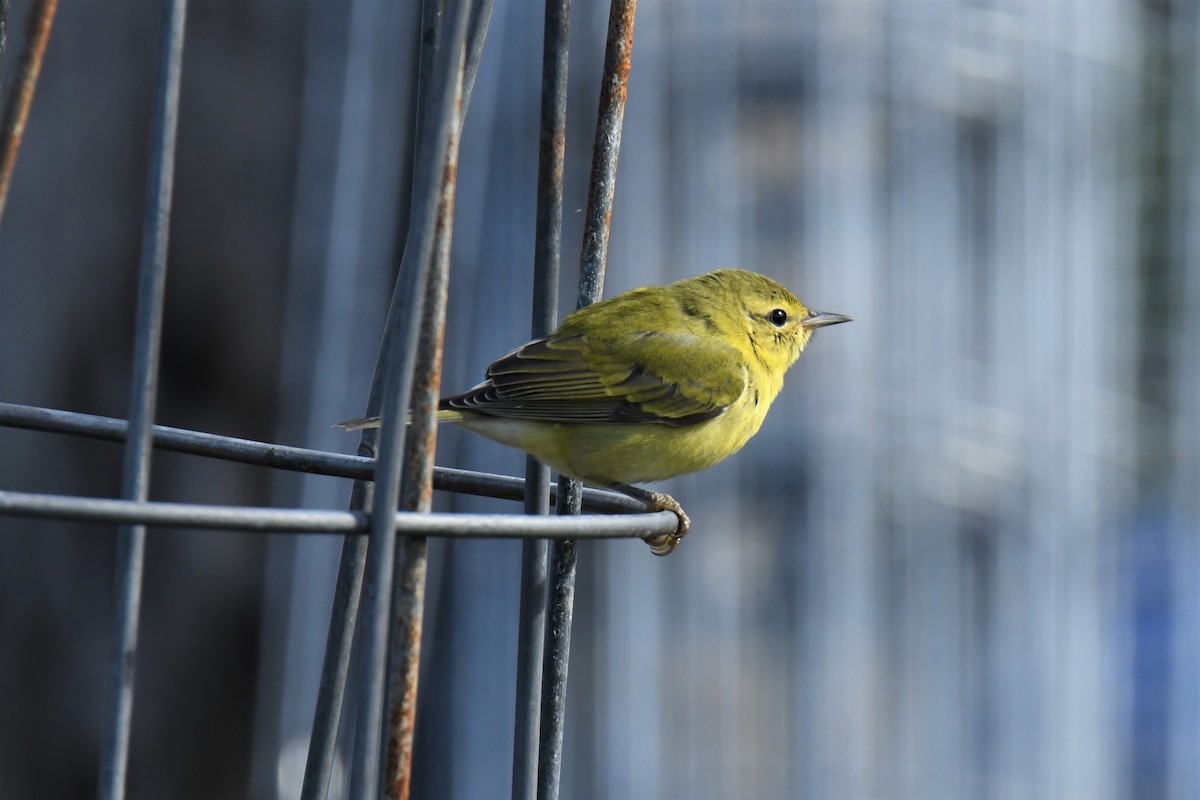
772,324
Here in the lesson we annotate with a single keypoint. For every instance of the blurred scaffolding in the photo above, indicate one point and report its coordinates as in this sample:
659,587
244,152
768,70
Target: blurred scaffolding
959,561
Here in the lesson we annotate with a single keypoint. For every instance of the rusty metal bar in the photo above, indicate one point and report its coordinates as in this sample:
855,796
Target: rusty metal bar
597,223
352,566
417,492
546,260
408,611
135,482
411,555
401,338
16,111
602,186
419,477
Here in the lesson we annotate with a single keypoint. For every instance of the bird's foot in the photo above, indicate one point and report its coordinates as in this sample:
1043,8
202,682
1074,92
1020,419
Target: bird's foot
665,544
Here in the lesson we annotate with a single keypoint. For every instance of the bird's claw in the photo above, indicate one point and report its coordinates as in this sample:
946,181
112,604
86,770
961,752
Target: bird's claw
666,543
663,544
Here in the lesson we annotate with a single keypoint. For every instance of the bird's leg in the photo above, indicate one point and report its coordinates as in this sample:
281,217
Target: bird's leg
657,501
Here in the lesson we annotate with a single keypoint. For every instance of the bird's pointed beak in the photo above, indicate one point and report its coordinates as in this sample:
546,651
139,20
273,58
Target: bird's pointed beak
819,319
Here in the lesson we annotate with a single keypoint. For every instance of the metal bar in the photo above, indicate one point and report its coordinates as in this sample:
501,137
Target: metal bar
131,539
305,521
481,14
602,185
594,254
4,6
403,330
335,663
16,111
531,627
546,260
408,603
352,564
556,656
296,459
351,569
411,556
182,440
408,612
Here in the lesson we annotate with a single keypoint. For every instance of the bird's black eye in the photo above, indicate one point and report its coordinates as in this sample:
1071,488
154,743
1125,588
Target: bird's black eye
777,317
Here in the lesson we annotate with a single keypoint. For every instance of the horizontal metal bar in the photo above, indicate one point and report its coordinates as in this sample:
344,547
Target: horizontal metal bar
285,520
296,459
246,451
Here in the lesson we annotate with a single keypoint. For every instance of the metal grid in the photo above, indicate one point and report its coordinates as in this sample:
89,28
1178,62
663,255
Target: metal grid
944,575
383,559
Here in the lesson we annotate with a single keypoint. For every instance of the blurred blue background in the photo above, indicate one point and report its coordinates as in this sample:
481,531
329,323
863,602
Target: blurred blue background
959,561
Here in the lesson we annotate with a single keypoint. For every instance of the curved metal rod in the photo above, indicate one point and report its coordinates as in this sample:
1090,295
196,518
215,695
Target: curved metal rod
294,520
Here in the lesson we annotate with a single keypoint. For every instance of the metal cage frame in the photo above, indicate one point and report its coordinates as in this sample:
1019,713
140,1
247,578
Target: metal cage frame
386,579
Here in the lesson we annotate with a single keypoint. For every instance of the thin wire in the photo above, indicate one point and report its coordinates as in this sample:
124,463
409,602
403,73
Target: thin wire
131,539
546,259
601,192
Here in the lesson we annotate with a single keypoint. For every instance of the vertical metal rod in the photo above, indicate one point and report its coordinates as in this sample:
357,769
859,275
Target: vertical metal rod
601,191
400,342
417,495
546,257
417,491
131,539
343,616
338,646
531,628
481,14
4,6
556,656
411,557
16,111
602,185
339,643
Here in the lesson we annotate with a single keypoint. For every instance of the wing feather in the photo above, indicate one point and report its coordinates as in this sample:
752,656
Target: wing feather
645,378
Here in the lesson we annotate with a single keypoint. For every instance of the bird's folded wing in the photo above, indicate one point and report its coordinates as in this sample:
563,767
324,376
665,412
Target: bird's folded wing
675,379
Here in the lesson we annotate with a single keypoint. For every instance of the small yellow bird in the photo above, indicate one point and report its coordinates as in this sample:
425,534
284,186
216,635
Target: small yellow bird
653,383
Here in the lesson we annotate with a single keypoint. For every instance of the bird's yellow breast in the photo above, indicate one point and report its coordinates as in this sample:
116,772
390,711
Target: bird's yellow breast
628,453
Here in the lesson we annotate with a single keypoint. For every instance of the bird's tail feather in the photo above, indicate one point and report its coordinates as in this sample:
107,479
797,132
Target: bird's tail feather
445,415
358,424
